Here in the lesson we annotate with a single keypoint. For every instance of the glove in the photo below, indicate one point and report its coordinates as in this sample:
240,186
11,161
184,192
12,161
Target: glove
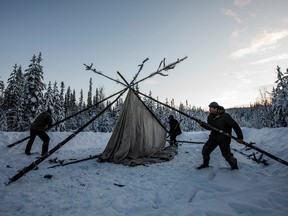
241,141
200,122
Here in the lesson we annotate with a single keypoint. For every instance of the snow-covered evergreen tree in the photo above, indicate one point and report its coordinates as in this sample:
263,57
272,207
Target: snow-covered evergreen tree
81,100
117,109
83,117
149,102
115,112
265,113
58,108
2,86
67,102
74,121
33,90
105,121
48,100
89,97
184,121
173,112
3,125
70,109
159,112
13,98
166,113
243,116
187,123
99,124
280,99
62,109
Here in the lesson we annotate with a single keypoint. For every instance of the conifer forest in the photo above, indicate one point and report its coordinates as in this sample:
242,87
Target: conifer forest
24,95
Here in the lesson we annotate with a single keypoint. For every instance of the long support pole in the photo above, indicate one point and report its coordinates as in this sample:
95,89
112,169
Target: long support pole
220,131
39,160
67,118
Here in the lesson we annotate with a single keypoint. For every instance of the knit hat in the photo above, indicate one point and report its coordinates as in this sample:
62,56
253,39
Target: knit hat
214,104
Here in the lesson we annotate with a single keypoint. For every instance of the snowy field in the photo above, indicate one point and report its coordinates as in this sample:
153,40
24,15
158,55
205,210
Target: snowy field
169,188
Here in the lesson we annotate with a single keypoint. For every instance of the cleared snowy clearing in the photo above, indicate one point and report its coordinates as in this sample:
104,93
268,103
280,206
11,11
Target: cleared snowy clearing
169,188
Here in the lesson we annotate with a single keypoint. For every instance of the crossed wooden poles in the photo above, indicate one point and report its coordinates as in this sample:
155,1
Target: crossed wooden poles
162,68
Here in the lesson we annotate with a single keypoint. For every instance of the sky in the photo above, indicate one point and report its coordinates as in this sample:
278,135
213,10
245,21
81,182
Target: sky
232,46
171,188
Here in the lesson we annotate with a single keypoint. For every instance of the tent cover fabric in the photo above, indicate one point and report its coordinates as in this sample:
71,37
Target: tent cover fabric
138,138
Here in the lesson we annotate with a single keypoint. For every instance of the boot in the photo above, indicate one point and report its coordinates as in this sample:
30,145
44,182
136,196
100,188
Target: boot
27,152
234,167
172,142
204,165
45,148
233,164
28,147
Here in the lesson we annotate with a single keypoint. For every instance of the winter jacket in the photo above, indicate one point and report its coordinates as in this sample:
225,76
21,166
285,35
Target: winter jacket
224,122
174,127
43,120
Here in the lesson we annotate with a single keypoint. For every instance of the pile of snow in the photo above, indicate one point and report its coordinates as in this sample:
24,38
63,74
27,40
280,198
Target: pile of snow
170,188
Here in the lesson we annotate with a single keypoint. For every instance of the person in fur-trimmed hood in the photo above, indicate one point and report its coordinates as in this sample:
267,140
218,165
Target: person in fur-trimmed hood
218,118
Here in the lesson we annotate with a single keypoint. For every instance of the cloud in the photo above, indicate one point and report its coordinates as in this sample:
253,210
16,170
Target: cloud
273,58
237,33
285,20
243,79
261,43
241,3
230,13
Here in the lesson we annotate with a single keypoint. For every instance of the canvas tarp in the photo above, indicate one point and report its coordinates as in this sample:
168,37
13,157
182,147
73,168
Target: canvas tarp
137,137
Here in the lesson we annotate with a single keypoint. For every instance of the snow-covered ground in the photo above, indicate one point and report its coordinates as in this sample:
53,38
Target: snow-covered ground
169,188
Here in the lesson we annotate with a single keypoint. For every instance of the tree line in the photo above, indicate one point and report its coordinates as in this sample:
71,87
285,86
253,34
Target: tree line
26,95
271,108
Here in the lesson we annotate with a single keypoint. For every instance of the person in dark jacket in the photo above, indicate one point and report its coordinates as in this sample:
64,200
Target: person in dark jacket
37,128
223,121
174,130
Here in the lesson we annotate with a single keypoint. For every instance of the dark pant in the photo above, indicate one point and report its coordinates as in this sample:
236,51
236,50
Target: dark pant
173,139
43,136
209,147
